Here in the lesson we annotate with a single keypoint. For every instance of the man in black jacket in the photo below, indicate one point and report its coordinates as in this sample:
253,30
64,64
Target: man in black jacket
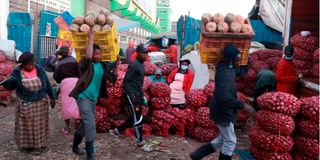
90,86
223,107
132,86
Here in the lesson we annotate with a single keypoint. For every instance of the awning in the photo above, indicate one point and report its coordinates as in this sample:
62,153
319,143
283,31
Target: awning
124,24
130,9
170,35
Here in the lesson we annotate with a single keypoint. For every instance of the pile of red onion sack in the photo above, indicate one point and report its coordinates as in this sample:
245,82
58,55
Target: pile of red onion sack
305,48
6,68
272,136
192,121
306,138
258,60
286,128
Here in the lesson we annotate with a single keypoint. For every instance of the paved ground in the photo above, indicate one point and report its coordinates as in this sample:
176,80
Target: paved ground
109,148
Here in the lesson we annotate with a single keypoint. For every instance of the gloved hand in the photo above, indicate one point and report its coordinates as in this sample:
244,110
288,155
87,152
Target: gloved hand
145,102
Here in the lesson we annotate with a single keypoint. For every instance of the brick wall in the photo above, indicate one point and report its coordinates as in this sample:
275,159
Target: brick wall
22,6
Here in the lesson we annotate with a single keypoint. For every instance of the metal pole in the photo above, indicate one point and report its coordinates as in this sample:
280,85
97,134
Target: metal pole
35,31
29,6
287,22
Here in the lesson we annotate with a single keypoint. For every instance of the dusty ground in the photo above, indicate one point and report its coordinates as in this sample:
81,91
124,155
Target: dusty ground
109,148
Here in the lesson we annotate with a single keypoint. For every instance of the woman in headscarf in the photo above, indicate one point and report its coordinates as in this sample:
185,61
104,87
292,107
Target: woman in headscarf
66,74
32,113
180,81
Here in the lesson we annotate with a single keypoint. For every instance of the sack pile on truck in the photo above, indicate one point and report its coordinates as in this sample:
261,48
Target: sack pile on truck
306,138
272,135
258,60
304,47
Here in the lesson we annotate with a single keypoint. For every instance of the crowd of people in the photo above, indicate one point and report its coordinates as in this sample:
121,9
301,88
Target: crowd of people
82,83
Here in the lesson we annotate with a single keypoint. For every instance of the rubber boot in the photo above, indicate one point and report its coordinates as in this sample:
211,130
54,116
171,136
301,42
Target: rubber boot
89,150
224,157
202,151
75,146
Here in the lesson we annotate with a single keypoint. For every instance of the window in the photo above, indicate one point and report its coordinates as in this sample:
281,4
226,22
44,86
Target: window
163,28
123,38
162,20
163,11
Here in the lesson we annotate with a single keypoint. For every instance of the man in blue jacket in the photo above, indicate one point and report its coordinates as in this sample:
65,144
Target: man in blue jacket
223,107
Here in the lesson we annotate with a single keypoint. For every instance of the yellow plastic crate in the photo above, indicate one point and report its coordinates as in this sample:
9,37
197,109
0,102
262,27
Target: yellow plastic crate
65,34
107,40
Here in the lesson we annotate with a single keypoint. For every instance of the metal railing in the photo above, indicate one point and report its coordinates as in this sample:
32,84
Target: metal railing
47,46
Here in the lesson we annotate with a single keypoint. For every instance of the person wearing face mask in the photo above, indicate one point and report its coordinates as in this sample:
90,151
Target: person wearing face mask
157,77
180,81
285,73
223,107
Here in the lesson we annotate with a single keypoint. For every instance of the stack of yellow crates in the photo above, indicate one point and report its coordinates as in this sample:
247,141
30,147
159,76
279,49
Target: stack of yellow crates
107,40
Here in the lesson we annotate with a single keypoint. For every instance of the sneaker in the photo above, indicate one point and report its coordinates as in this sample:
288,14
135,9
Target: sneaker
114,132
141,144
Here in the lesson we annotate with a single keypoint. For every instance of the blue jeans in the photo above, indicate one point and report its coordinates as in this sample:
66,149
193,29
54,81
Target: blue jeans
87,127
226,140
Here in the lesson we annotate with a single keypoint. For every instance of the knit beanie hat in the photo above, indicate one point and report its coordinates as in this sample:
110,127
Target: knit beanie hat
230,52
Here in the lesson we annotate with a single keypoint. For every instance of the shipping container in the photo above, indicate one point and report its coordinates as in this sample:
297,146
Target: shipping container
188,31
264,33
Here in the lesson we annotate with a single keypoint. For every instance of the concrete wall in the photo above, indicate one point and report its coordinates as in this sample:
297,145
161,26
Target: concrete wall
4,8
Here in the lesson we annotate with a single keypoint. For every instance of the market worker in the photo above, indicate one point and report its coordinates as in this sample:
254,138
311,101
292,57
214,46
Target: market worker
129,51
180,81
32,115
285,72
188,49
132,85
135,54
66,73
173,52
90,86
223,107
201,72
157,77
266,82
196,47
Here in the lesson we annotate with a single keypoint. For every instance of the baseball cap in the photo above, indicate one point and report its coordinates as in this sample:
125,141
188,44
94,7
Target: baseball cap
141,48
158,71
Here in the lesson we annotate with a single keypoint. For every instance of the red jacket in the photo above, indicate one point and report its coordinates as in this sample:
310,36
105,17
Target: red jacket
188,79
172,51
153,48
134,56
286,77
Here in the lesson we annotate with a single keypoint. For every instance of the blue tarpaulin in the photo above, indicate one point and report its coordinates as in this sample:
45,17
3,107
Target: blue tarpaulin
19,30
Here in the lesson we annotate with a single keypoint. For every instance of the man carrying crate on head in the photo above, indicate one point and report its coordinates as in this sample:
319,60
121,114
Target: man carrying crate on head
223,107
90,86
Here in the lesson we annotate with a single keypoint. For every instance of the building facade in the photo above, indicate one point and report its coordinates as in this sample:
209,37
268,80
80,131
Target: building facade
163,15
174,26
